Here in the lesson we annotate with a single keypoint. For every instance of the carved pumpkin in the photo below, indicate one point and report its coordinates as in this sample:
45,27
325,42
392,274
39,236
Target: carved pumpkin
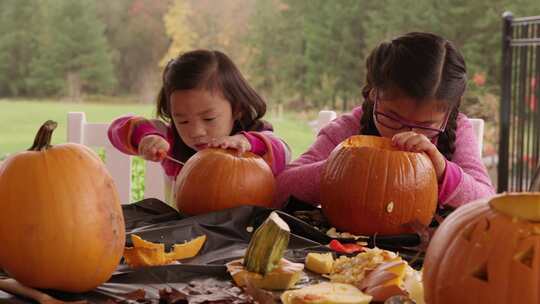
368,187
61,225
216,179
487,252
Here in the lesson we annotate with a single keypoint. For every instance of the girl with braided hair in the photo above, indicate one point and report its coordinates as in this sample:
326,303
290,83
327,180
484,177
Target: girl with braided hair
413,89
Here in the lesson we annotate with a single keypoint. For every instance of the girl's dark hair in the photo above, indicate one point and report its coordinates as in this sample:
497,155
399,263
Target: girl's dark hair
215,72
423,66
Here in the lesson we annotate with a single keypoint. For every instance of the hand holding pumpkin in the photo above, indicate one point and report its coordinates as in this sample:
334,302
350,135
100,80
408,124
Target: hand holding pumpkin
153,147
238,142
416,142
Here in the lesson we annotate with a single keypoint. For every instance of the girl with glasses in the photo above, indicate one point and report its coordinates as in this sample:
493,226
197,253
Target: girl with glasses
413,89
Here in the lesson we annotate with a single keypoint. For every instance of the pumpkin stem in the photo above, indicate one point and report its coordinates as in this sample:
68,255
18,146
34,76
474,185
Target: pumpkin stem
43,136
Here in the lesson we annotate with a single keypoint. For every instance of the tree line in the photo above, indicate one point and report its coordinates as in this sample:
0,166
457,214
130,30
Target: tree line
302,53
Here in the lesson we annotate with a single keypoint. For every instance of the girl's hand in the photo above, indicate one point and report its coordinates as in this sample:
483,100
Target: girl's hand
153,147
238,142
415,142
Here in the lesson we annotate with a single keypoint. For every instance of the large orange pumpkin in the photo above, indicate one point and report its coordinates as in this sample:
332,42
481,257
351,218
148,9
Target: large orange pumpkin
216,179
368,187
486,252
61,225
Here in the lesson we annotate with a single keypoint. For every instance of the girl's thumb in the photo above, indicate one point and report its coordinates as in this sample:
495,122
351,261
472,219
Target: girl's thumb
161,154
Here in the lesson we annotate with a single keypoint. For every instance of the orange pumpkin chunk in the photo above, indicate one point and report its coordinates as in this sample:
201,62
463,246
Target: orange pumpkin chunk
187,250
140,257
145,253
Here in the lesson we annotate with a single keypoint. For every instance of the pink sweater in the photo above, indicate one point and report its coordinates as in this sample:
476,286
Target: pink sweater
126,132
465,178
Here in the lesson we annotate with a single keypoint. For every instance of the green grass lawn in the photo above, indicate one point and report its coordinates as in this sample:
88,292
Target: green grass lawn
20,120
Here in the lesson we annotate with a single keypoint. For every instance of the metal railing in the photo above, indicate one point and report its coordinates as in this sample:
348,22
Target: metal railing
519,150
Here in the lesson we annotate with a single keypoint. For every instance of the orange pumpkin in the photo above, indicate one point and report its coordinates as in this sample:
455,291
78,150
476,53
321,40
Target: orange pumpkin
368,187
61,225
216,179
486,252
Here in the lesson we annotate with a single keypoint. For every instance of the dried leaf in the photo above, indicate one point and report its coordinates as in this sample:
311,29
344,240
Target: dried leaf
215,292
172,296
260,296
138,295
135,295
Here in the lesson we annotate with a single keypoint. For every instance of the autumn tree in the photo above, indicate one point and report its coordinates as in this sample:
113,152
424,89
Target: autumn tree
72,53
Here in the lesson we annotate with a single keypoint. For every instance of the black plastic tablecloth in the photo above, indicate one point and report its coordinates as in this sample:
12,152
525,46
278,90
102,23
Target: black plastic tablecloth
227,239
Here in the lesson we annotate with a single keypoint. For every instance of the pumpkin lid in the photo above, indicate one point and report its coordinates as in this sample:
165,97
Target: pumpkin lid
525,205
369,141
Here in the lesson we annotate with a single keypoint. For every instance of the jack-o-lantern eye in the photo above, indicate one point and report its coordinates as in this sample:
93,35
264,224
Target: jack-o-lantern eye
480,227
368,186
481,272
526,257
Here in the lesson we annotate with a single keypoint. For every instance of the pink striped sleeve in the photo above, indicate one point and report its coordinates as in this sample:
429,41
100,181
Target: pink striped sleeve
302,178
257,145
474,182
126,132
451,179
262,142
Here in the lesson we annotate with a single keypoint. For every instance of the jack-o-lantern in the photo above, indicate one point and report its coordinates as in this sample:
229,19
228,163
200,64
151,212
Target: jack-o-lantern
487,252
216,179
368,186
61,224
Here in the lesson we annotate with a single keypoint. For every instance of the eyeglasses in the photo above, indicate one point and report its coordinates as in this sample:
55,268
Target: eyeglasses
395,123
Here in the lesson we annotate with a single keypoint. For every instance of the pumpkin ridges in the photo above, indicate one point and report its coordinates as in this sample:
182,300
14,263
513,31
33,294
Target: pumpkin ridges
97,181
248,176
351,182
493,260
67,154
440,245
451,252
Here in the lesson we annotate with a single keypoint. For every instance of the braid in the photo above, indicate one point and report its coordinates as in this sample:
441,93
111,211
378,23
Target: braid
447,139
367,125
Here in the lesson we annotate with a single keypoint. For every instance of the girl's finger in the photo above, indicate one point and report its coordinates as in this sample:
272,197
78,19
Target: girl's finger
244,147
413,141
240,147
160,155
400,139
420,147
214,143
